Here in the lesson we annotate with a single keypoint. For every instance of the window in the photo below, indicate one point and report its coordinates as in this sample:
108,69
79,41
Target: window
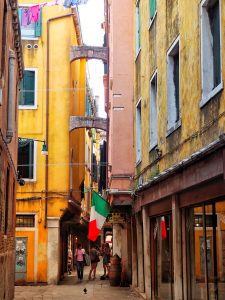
162,258
25,221
28,89
138,27
205,246
26,159
210,49
153,111
173,86
152,4
29,29
138,132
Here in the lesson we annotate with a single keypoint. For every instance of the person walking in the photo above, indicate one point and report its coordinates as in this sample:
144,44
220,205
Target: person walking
79,257
94,256
106,260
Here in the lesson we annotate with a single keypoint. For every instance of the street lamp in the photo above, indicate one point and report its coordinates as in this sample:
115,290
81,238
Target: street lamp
44,150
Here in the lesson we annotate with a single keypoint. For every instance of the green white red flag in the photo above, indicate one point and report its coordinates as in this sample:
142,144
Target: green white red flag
100,209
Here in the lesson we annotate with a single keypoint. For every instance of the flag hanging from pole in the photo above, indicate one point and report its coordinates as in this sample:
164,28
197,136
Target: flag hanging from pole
100,209
163,228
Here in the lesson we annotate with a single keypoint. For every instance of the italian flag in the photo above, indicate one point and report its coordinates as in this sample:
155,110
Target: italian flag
99,211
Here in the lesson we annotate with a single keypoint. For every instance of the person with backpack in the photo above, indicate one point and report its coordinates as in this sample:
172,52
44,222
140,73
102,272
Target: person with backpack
94,256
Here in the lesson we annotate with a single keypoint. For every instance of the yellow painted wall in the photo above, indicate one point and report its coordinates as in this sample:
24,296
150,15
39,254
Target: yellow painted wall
32,124
199,126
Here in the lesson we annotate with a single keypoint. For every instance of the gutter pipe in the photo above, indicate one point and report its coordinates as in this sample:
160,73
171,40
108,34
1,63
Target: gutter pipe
47,109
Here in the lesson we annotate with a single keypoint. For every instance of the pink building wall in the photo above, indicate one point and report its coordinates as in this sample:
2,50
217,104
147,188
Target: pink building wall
121,76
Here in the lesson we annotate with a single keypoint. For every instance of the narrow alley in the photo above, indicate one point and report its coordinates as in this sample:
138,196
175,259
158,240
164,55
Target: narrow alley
70,288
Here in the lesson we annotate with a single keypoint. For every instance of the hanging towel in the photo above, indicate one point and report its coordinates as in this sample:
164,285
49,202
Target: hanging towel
35,10
26,16
67,3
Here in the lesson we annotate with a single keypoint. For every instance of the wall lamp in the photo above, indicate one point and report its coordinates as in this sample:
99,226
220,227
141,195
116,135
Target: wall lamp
44,150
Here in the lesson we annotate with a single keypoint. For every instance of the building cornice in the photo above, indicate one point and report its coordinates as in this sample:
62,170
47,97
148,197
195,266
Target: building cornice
17,36
200,154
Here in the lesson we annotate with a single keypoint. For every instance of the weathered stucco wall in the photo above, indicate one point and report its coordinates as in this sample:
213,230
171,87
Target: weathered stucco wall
199,126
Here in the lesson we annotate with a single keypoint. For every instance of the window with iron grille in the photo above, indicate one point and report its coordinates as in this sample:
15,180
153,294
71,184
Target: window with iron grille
24,220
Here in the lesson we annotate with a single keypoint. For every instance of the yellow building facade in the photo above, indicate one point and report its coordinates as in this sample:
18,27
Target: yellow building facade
54,89
179,139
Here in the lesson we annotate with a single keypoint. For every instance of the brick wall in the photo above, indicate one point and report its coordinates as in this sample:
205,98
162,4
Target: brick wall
8,148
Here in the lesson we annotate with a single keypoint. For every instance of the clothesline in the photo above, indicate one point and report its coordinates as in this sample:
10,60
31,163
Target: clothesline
32,13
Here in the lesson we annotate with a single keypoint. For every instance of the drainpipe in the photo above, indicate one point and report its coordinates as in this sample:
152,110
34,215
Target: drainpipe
107,92
11,97
47,109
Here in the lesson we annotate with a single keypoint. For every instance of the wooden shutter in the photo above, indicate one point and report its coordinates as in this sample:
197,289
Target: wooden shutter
152,8
38,25
29,87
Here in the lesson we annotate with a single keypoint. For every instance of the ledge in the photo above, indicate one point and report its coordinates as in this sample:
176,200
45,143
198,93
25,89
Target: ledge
173,128
210,95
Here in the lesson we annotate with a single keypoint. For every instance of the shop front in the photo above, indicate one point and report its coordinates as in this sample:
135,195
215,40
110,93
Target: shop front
184,231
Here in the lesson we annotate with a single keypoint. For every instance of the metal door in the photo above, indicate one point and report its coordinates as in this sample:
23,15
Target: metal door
21,258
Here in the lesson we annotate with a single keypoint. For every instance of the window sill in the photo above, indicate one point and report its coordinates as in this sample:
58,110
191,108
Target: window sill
27,38
214,92
152,21
137,54
138,162
27,107
29,180
152,147
173,128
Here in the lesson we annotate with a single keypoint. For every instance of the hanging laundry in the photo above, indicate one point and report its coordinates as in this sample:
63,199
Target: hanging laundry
67,3
35,10
26,16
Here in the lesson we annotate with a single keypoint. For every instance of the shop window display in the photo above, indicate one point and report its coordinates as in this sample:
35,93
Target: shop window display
205,240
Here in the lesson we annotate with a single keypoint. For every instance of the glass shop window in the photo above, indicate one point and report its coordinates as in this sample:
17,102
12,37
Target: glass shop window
205,240
162,258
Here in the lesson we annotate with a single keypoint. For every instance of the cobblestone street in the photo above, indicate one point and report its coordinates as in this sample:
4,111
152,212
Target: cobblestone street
70,288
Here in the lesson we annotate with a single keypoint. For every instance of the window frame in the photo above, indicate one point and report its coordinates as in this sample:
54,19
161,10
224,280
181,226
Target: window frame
153,78
35,38
137,28
138,158
170,93
34,179
35,70
206,98
152,19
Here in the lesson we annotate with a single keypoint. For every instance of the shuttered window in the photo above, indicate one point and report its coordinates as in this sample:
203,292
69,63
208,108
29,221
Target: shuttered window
27,89
152,4
31,30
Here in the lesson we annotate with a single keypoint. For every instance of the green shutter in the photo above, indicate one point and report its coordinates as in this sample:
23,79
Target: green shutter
152,8
29,86
20,14
21,94
38,25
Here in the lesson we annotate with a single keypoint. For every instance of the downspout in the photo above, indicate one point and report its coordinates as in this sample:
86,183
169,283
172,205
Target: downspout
107,93
47,109
11,98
